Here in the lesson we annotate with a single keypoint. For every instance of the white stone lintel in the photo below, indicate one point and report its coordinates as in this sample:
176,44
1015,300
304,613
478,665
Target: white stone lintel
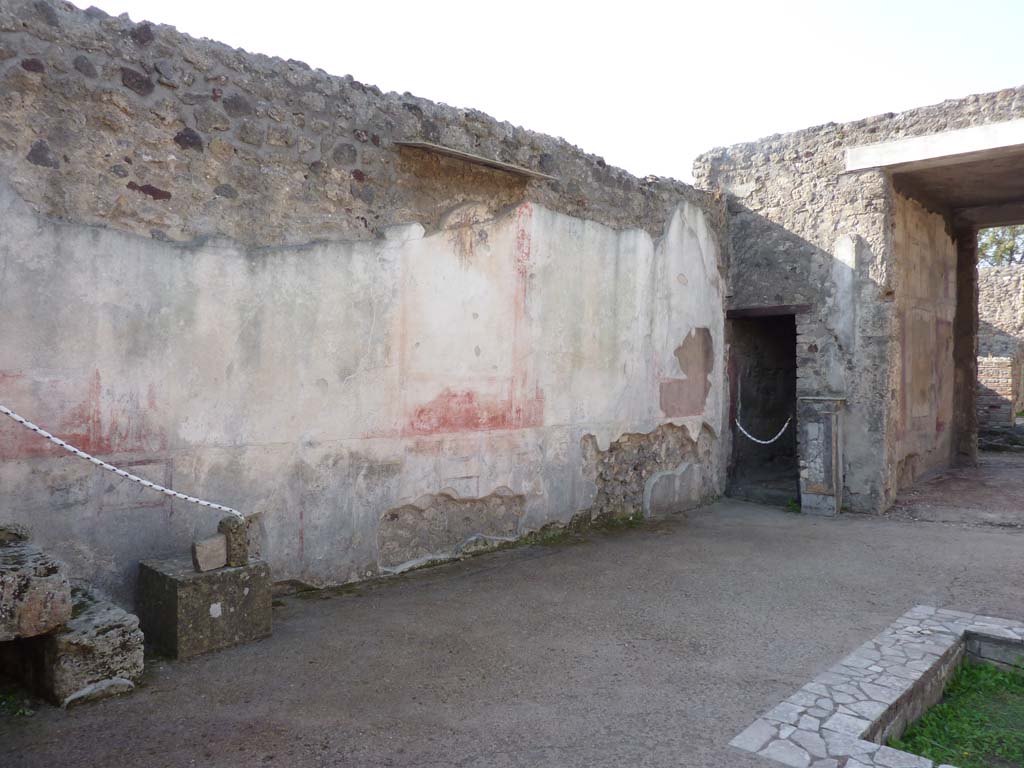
937,149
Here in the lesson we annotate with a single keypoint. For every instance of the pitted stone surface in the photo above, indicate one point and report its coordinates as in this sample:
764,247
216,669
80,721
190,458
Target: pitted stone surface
35,596
875,680
89,117
185,613
98,653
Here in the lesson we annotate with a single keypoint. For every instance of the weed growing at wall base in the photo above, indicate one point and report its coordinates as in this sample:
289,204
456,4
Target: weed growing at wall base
978,724
13,703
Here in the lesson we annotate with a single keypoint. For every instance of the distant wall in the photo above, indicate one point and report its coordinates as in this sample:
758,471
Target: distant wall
220,272
1000,344
1000,310
1000,393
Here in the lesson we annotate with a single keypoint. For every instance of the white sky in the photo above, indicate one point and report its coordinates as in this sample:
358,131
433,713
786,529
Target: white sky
646,85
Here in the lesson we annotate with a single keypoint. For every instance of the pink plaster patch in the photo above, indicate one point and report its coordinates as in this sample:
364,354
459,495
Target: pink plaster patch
97,422
465,411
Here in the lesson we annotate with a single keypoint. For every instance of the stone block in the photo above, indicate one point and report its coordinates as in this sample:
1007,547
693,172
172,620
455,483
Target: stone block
236,532
210,554
184,613
98,653
35,596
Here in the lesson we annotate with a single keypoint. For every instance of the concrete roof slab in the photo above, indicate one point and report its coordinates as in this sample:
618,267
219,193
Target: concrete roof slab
980,142
975,174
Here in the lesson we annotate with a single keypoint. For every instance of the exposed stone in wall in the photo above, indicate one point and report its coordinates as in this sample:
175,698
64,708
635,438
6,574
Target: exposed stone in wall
442,525
625,471
1000,311
144,128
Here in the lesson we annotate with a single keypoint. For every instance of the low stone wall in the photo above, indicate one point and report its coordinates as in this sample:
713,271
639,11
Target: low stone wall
847,713
999,390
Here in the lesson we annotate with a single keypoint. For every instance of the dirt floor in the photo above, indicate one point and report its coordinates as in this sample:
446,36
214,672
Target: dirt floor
647,647
991,493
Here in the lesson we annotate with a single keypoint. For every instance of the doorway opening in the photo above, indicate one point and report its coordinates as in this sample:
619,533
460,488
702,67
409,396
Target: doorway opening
764,466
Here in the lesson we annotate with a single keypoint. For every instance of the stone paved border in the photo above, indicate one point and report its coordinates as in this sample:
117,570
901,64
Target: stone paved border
835,720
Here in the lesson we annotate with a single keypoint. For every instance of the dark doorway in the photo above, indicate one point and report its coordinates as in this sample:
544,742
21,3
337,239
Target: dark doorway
762,369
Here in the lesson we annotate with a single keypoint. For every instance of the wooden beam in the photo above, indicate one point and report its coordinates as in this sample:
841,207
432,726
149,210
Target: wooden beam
475,159
776,311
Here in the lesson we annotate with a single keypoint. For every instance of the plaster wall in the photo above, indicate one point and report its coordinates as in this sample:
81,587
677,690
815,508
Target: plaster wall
226,273
374,403
926,261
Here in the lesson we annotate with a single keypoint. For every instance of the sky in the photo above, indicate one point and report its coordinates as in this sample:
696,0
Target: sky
646,85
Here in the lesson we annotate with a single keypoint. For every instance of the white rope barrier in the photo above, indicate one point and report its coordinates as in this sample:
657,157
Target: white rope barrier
762,442
739,404
111,468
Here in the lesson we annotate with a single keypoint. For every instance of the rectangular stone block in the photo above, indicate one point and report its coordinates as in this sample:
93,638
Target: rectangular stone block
96,654
819,427
210,554
184,613
236,537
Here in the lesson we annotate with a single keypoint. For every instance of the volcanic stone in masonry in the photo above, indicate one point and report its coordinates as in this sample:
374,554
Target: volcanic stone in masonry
184,613
35,596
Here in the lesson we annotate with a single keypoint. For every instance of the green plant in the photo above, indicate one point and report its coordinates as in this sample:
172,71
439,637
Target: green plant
793,506
1001,246
976,725
14,704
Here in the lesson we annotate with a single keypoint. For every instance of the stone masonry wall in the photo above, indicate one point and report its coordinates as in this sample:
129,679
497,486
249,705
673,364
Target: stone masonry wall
802,230
220,271
999,391
1000,344
1000,310
140,127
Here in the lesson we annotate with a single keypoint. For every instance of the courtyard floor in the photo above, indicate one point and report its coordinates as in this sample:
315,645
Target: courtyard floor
992,493
648,647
